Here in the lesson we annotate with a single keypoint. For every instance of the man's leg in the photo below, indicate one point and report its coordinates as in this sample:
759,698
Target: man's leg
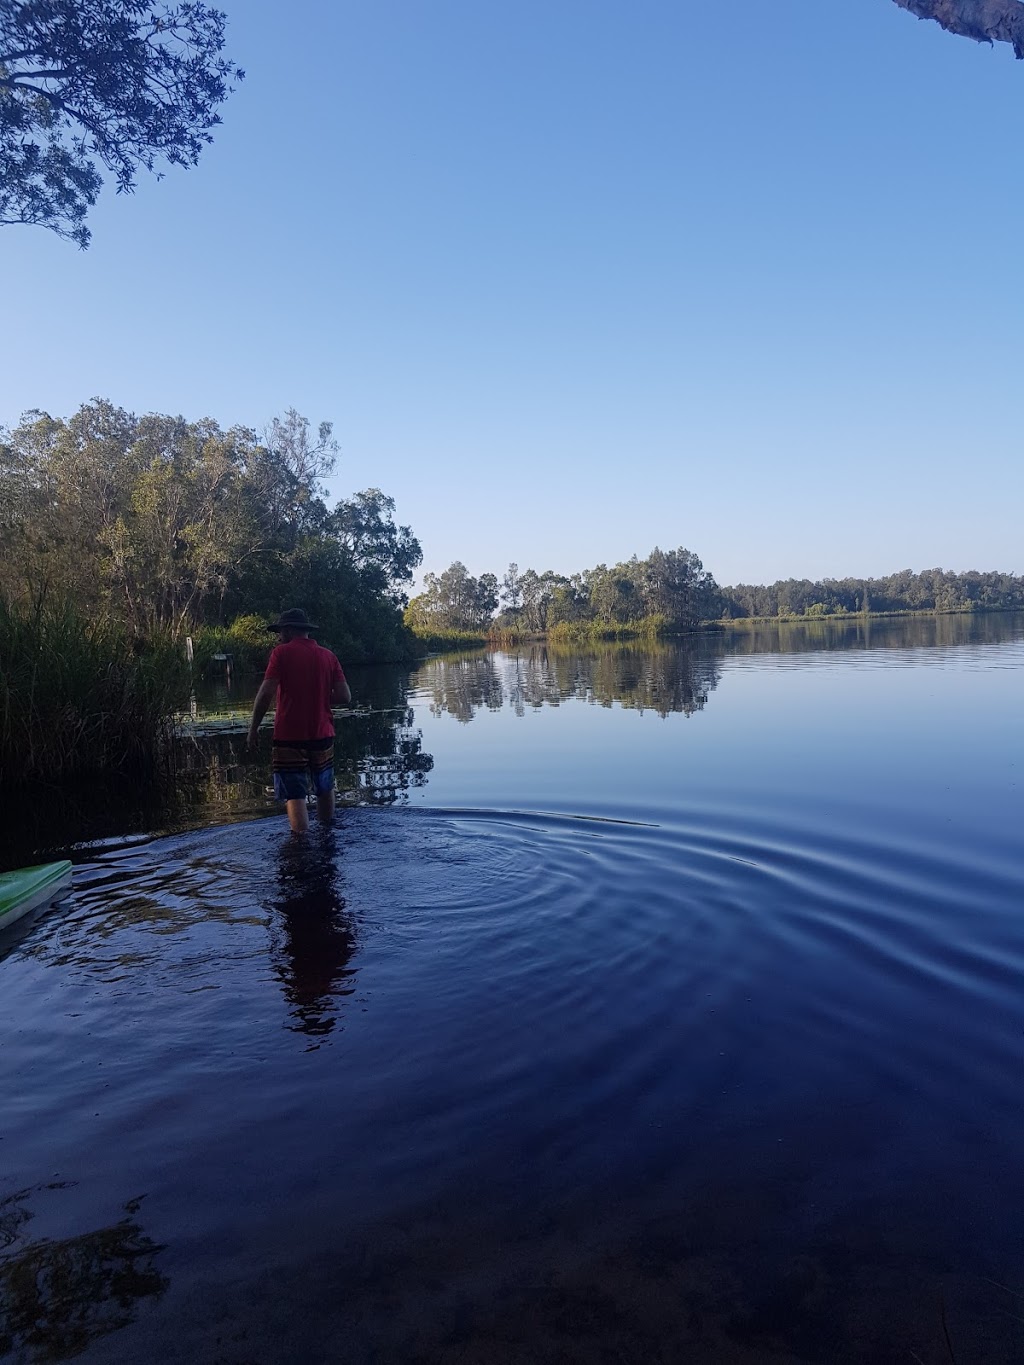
325,807
322,768
298,816
291,782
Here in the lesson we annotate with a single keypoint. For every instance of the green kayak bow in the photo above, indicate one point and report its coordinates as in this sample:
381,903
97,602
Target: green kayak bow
30,887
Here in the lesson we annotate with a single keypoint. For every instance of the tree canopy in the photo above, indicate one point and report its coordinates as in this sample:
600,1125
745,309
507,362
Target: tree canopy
669,590
987,21
670,593
454,601
128,84
167,525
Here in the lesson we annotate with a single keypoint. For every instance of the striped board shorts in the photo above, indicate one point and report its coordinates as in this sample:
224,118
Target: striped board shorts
299,762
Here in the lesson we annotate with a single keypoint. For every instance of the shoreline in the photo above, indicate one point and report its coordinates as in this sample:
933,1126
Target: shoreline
442,643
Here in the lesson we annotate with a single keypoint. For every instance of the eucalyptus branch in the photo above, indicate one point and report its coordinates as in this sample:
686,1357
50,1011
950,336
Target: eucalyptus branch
144,80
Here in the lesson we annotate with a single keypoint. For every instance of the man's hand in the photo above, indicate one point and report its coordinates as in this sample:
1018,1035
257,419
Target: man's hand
341,694
266,694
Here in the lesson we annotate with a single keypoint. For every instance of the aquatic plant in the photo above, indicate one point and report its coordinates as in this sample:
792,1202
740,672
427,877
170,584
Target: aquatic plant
80,696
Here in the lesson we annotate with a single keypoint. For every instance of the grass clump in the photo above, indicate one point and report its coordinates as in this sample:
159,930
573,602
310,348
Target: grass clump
433,641
81,697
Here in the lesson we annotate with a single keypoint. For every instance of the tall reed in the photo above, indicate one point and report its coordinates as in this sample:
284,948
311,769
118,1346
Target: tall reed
80,697
437,641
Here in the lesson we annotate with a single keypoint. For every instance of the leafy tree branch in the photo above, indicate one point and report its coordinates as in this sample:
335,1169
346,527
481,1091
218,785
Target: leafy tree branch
128,85
986,21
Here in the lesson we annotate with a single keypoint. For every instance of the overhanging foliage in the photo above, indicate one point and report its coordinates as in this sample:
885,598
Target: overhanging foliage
986,21
126,84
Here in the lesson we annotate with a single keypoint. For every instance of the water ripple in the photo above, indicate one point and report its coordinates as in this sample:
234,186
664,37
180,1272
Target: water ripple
482,1008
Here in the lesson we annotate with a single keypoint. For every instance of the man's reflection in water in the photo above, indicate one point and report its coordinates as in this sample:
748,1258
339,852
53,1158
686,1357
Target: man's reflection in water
317,937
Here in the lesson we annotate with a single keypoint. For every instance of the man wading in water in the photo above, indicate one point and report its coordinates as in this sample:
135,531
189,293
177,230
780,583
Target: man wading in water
307,681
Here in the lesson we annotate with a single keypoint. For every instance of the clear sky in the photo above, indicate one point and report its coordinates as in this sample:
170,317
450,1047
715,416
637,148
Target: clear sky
580,278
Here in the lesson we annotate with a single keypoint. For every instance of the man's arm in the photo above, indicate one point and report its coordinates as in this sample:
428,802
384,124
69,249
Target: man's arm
341,693
266,694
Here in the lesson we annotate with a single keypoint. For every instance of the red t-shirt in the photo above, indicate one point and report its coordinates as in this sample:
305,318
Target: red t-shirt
305,673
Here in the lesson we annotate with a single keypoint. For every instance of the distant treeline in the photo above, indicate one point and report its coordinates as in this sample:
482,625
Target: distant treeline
666,592
929,590
164,527
671,592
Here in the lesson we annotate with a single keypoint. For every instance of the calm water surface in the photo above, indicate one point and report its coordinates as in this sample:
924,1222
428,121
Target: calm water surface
651,1006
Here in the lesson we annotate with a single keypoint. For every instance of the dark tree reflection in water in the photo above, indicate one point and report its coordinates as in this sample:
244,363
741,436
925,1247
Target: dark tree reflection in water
388,758
378,757
663,678
58,1295
460,684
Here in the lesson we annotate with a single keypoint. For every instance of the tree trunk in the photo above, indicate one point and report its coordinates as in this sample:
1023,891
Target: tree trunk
987,21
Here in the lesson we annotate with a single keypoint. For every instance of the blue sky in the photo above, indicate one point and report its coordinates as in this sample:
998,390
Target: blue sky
574,279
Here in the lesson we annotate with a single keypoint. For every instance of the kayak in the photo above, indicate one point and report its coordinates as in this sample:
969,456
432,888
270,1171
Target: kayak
30,887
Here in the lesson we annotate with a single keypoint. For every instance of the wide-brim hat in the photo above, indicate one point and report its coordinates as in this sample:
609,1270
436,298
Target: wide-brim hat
293,619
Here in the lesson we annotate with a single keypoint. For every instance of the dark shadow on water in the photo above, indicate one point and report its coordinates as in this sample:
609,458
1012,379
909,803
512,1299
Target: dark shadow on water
315,937
56,1296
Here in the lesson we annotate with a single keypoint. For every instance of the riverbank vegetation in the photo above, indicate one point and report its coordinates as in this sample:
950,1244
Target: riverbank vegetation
173,528
667,593
931,590
439,640
670,593
125,537
81,697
